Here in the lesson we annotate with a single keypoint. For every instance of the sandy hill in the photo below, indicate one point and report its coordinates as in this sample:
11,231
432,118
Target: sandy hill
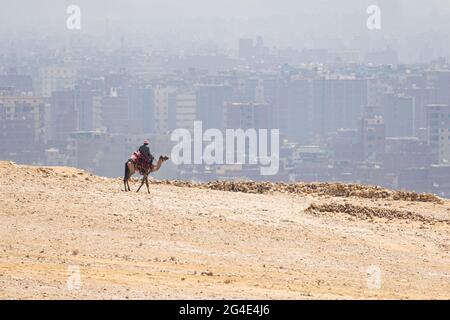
216,240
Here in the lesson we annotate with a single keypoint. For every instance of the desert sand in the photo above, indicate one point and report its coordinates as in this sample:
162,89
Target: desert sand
214,241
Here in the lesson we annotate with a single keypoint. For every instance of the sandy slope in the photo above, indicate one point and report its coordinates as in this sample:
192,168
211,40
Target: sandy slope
188,242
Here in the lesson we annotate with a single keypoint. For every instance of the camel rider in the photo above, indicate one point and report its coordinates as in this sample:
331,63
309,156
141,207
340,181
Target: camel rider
145,152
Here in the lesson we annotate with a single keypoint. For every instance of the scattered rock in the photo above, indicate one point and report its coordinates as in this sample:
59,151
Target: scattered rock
322,189
368,213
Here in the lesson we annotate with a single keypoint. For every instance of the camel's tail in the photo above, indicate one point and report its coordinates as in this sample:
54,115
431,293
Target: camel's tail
127,172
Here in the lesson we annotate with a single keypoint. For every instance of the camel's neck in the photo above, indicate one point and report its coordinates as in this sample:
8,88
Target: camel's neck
157,166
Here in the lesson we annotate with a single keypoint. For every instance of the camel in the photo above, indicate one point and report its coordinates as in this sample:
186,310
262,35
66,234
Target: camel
130,169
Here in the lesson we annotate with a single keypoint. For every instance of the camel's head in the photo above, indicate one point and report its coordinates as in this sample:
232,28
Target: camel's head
164,158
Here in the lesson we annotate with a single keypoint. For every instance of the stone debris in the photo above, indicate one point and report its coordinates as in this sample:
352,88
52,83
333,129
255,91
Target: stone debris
368,213
321,189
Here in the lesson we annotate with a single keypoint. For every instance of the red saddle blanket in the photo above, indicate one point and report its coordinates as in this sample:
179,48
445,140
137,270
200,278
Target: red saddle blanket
140,162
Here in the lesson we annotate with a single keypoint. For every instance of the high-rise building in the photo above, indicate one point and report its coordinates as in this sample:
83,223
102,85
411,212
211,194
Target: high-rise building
115,114
182,113
291,101
55,78
344,146
372,134
406,152
438,123
297,119
337,103
211,100
398,114
63,117
20,83
248,116
74,110
88,105
291,111
422,97
22,128
441,82
142,109
163,97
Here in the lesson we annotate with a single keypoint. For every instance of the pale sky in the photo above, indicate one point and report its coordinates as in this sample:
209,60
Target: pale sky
407,25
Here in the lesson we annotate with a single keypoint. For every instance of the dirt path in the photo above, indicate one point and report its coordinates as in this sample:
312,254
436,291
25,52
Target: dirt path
189,242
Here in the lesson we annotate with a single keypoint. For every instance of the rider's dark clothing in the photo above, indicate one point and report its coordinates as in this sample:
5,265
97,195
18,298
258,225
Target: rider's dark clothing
145,151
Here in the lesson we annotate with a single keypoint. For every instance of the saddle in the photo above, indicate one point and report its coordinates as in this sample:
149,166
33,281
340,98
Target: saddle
140,162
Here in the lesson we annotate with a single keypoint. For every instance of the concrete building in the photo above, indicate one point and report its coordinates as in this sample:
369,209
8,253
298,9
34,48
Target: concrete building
142,109
20,83
441,83
211,100
163,97
297,119
310,164
115,114
63,117
438,123
398,114
74,110
183,112
439,180
22,128
337,103
248,116
53,78
406,152
421,98
88,104
344,146
372,135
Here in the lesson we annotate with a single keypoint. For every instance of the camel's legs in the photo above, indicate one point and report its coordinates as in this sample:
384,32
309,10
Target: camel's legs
142,183
127,183
126,176
126,179
146,182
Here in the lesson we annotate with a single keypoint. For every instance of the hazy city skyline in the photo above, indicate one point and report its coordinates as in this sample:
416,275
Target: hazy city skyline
355,93
413,28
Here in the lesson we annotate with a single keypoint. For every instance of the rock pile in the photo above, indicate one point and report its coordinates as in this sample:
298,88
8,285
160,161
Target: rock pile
328,189
368,213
